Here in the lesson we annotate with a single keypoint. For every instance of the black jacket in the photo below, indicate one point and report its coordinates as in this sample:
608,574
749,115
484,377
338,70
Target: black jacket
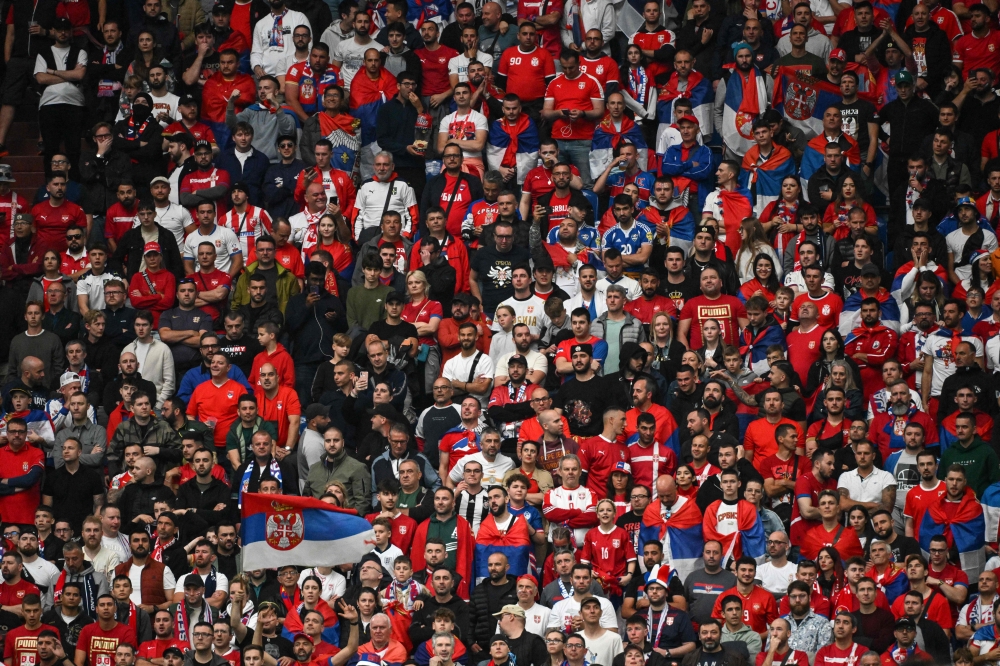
145,162
279,188
253,316
100,177
689,39
711,491
443,280
138,498
310,329
166,34
190,496
936,194
919,118
937,49
394,127
289,482
128,257
969,377
422,626
726,658
487,599
112,390
528,649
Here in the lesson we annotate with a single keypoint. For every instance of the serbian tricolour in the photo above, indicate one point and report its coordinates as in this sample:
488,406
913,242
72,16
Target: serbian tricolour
679,529
513,145
699,90
965,530
281,529
803,99
746,99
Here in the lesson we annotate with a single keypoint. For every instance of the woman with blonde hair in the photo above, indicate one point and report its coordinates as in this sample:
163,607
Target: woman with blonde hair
426,315
753,242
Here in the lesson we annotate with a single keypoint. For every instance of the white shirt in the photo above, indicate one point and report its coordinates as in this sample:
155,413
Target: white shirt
536,619
104,561
222,582
174,218
92,286
869,488
536,361
568,607
166,104
370,203
115,544
44,574
272,58
388,558
603,649
334,585
460,368
530,311
459,65
227,246
956,245
351,55
135,575
938,347
796,282
880,398
61,93
464,126
493,472
632,288
775,580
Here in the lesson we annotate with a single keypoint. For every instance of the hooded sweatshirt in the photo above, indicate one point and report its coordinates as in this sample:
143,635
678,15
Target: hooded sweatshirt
982,467
282,362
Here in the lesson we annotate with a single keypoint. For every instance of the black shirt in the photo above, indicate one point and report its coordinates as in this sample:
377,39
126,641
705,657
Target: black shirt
73,494
856,117
241,352
395,335
494,270
583,405
681,292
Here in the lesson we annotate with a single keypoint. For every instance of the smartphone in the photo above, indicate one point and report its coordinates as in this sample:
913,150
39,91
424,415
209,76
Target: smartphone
364,376
314,290
565,112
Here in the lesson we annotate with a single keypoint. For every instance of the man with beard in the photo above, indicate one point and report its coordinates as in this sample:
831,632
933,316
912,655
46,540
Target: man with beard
931,633
14,587
442,587
888,548
940,348
509,402
651,302
760,440
705,257
35,568
810,630
237,344
712,651
582,400
584,307
67,617
506,533
651,435
888,431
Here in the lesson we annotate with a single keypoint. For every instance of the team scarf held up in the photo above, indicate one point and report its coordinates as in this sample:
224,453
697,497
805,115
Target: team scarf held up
182,622
273,467
277,38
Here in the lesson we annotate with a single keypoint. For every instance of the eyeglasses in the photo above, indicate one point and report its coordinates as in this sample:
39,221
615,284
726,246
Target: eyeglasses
499,236
453,156
202,634
102,136
473,471
575,646
553,641
60,162
209,346
74,236
11,535
286,144
642,496
938,550
774,542
441,388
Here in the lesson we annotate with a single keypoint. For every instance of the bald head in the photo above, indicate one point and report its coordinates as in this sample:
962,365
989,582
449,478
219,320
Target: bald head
268,377
32,371
666,489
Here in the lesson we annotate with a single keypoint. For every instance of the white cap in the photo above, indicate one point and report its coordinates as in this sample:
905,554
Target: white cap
68,378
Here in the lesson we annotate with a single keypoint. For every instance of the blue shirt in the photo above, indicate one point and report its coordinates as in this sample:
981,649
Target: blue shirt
628,242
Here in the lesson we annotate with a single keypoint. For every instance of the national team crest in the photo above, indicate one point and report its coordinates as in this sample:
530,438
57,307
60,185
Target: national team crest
616,543
875,344
402,529
744,124
800,100
534,62
229,394
285,528
812,344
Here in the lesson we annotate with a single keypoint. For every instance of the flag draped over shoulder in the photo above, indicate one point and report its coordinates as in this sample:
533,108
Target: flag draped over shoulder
812,157
679,529
966,531
513,146
342,132
367,97
991,512
278,530
606,138
745,101
802,99
748,539
765,179
850,316
736,207
331,624
699,91
514,543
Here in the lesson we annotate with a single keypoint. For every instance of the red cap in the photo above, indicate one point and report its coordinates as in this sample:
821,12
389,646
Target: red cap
838,54
151,246
688,118
301,635
529,578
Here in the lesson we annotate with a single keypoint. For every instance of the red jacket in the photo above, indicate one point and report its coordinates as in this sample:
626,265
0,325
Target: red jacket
888,437
282,362
342,184
217,91
31,265
456,254
144,298
463,553
879,343
909,351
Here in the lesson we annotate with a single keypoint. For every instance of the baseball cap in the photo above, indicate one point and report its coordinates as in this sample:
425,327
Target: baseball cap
202,143
159,179
892,45
316,409
513,609
838,54
394,297
6,174
869,269
687,118
193,580
301,635
622,466
221,8
68,378
151,246
177,652
517,359
904,77
586,348
463,298
906,623
20,389
922,203
590,600
500,638
188,99
62,23
965,201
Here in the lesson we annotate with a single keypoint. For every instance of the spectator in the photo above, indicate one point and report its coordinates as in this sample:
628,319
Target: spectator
157,363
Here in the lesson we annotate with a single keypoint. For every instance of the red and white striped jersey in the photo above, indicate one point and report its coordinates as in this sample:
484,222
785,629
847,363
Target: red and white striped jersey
10,205
248,227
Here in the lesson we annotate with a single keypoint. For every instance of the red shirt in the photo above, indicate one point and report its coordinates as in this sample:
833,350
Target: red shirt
434,65
759,607
938,611
290,259
118,220
608,553
403,529
199,130
69,265
549,37
978,52
598,457
560,209
945,19
728,310
653,41
20,507
20,645
759,439
216,403
526,72
100,645
208,282
604,69
51,222
216,92
462,199
142,296
831,655
836,436
807,486
567,94
804,348
773,467
918,499
154,649
278,409
12,595
538,181
797,658
829,305
643,309
200,180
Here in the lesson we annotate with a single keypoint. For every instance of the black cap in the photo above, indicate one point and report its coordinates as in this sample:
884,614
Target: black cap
462,297
517,359
29,529
869,269
62,23
706,229
202,143
173,651
906,623
545,264
587,348
316,409
20,389
193,580
221,8
394,297
239,185
499,638
922,202
187,99
389,412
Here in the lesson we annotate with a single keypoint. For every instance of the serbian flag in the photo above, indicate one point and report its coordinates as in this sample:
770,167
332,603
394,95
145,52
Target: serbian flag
699,90
802,99
283,529
607,137
890,7
991,512
367,97
965,530
850,316
342,132
812,158
748,539
893,583
679,529
513,146
764,180
331,625
736,207
903,282
746,99
514,543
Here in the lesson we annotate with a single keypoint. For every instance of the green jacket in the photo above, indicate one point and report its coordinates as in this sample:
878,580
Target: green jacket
982,467
744,635
193,428
352,473
288,286
159,434
238,437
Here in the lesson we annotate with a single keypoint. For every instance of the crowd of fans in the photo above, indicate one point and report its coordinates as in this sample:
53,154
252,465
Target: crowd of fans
643,333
